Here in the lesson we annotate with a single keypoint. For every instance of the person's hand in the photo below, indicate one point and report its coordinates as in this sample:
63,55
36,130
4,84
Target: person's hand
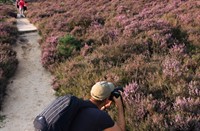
118,101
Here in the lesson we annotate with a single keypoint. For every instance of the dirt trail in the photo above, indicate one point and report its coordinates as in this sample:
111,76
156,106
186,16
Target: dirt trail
29,90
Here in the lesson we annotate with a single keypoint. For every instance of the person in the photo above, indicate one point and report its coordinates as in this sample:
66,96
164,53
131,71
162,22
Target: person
96,119
21,5
17,4
25,6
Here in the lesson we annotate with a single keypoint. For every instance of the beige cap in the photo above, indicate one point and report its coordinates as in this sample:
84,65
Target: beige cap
102,90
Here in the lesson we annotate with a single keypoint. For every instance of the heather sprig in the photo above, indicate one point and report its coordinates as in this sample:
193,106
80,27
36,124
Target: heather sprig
171,67
131,94
194,88
187,104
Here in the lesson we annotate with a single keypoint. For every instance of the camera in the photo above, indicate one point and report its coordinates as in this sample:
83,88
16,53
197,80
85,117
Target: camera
116,93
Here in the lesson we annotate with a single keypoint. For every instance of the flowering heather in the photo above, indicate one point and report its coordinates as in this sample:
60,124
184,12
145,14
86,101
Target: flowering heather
153,43
190,104
171,67
3,35
8,32
194,88
49,55
177,50
96,25
131,94
7,12
187,116
8,60
8,36
86,49
185,123
8,65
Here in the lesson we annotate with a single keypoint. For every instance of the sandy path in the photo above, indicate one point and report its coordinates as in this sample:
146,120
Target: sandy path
29,90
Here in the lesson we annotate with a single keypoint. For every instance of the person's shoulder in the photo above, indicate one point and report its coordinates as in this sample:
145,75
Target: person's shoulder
102,115
92,110
87,104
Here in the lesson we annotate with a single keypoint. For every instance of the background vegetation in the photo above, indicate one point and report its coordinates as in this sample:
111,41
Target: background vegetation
6,1
151,48
8,36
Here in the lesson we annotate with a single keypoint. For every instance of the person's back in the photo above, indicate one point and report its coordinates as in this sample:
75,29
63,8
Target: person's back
91,119
96,119
83,115
21,3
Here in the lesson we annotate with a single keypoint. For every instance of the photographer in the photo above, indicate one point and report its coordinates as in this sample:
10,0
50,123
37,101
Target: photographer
94,118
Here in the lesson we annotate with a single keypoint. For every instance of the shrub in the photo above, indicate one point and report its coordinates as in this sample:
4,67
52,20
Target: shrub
8,36
8,60
149,47
8,65
8,33
67,45
49,52
147,113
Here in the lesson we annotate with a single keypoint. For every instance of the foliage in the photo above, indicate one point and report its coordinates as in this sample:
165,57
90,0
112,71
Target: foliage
149,47
8,33
49,53
7,11
67,45
8,36
5,1
8,60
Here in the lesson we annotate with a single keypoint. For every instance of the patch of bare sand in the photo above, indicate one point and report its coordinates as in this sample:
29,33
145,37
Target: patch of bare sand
29,90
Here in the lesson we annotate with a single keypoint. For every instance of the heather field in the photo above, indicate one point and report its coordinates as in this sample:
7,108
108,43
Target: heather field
8,36
149,47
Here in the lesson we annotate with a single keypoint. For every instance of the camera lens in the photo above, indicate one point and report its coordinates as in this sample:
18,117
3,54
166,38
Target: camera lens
116,94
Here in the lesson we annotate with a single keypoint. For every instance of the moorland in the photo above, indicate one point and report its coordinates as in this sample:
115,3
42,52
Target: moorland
151,48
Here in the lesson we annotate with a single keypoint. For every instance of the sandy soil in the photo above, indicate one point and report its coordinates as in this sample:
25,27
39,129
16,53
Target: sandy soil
29,90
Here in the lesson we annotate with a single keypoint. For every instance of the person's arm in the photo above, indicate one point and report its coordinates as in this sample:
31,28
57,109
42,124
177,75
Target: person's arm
120,124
